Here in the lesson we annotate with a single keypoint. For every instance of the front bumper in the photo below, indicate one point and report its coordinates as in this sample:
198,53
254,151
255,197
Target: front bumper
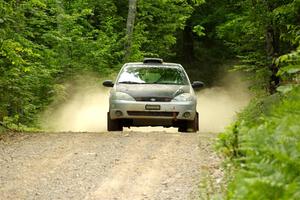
121,109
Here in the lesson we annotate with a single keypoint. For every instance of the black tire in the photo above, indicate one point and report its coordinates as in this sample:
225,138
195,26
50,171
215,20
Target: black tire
190,126
193,126
182,128
113,124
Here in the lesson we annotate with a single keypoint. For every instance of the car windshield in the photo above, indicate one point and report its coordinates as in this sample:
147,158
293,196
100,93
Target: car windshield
153,75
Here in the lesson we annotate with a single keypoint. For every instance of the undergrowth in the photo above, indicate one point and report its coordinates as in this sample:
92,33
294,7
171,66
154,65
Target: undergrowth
263,146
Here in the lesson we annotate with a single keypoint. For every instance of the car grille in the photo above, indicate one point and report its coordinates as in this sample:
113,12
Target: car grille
153,99
152,114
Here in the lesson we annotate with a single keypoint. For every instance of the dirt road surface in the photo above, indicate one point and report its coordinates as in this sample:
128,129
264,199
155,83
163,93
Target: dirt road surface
105,166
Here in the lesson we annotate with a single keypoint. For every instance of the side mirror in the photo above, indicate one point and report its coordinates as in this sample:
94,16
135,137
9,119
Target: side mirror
108,83
197,84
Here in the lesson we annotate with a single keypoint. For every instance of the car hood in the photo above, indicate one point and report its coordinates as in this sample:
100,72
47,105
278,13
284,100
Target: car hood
152,90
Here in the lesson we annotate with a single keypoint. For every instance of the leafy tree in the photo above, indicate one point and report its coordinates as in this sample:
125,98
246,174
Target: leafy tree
130,25
45,42
25,79
259,32
198,46
263,141
156,25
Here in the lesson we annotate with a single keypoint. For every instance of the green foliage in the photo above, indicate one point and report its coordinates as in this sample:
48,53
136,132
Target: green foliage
259,32
265,140
156,26
198,46
22,71
43,42
199,30
274,152
13,124
289,66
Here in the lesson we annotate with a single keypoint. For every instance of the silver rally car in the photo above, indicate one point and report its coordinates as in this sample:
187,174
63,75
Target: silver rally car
152,93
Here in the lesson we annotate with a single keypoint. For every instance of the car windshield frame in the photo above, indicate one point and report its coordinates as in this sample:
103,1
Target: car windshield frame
153,74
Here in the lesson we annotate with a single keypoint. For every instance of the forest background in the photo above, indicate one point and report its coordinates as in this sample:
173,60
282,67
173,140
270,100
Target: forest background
44,43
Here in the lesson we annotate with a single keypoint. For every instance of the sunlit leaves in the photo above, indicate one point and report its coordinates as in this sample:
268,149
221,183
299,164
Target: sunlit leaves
289,67
199,30
44,42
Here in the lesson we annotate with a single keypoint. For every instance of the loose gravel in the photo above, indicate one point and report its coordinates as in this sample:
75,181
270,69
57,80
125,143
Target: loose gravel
106,166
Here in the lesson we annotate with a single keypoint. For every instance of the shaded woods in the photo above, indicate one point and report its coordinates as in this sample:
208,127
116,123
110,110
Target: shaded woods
45,42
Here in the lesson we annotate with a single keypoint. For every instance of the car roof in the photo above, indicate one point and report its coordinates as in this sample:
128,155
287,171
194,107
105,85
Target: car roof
164,64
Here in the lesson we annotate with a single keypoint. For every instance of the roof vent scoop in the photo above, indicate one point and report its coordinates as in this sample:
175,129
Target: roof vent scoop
153,61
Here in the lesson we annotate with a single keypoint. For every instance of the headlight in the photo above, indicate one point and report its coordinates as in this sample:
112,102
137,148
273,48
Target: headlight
183,97
122,96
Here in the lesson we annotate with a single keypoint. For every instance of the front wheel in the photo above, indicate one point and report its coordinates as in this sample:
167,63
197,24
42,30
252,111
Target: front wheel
190,126
113,124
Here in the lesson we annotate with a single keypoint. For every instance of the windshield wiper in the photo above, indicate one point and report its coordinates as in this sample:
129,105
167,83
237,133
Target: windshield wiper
165,83
130,82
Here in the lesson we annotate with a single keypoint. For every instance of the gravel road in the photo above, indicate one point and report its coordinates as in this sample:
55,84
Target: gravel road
105,166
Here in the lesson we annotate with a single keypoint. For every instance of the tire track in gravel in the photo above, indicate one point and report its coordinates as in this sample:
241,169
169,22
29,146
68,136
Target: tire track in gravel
137,177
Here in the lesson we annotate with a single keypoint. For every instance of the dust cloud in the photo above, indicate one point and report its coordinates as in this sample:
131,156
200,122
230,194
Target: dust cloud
218,106
84,111
85,108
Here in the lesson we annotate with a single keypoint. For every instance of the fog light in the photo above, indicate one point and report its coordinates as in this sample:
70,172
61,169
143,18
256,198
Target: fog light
118,113
186,115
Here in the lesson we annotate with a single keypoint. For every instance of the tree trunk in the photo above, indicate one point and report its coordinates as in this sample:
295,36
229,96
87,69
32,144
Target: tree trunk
130,26
188,43
272,48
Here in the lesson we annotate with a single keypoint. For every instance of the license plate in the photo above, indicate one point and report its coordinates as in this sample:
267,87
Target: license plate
152,107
